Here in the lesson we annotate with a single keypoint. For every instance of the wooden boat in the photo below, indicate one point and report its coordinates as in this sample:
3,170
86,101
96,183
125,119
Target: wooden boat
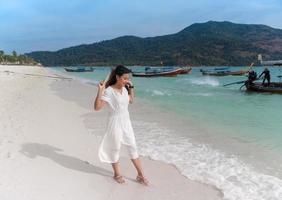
185,70
238,73
156,73
159,69
80,69
215,73
274,87
224,73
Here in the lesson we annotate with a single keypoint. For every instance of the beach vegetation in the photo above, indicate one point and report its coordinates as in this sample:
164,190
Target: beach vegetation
15,59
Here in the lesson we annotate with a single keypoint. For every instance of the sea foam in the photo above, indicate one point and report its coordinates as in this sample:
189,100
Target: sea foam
236,179
158,92
204,81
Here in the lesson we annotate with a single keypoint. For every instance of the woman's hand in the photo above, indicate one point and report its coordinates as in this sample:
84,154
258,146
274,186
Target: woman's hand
98,104
102,85
130,91
129,83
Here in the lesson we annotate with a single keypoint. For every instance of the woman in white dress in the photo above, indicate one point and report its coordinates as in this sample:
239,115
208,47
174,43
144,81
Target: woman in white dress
117,92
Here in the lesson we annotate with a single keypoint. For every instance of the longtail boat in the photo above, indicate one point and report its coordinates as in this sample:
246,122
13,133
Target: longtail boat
185,70
274,87
225,73
214,73
80,69
155,73
238,73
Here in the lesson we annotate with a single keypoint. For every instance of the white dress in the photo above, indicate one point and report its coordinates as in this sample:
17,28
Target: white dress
119,129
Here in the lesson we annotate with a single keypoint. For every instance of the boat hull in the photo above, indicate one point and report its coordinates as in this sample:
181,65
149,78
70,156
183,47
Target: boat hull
225,73
79,70
239,73
185,70
206,73
275,87
171,73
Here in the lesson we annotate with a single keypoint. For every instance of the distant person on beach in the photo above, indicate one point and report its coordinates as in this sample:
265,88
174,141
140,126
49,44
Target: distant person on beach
266,74
117,92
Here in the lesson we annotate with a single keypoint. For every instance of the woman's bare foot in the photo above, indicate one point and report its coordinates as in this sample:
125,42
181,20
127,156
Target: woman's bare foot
142,180
119,179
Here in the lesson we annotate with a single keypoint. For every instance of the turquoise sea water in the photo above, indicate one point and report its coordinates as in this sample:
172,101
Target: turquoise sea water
205,101
227,116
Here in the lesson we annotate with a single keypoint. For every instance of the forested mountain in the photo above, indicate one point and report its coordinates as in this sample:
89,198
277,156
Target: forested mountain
210,43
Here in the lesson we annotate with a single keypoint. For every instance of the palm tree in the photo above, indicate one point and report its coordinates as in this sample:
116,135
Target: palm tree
14,54
14,57
1,56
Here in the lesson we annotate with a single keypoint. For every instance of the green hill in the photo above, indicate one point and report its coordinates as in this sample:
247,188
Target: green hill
210,43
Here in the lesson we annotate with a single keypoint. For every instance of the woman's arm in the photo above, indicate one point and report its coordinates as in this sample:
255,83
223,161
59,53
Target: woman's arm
99,103
130,91
131,94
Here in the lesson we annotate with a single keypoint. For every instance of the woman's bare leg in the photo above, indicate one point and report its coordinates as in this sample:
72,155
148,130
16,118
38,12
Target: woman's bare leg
117,175
140,177
137,164
116,169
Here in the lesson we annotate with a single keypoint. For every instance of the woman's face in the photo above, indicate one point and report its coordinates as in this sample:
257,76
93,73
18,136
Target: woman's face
123,79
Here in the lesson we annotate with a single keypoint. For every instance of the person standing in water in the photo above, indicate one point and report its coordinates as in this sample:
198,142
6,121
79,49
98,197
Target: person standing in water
266,73
117,92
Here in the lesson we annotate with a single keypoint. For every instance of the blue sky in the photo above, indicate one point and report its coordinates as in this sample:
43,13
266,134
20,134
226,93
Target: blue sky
32,25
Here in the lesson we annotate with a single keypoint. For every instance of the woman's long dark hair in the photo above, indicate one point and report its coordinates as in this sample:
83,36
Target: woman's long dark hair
119,70
112,78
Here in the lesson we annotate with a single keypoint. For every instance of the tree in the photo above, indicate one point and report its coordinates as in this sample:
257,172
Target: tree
1,56
14,54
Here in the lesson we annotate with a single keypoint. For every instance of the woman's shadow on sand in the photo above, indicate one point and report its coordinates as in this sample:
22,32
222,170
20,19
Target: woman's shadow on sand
32,150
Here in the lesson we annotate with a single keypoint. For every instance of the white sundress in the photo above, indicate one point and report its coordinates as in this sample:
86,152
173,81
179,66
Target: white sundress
119,129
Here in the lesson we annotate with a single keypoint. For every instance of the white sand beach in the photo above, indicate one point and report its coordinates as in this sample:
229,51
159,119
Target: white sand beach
49,137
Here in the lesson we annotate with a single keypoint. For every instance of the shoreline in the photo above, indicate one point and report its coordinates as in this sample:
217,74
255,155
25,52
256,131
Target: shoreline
57,117
198,132
195,158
